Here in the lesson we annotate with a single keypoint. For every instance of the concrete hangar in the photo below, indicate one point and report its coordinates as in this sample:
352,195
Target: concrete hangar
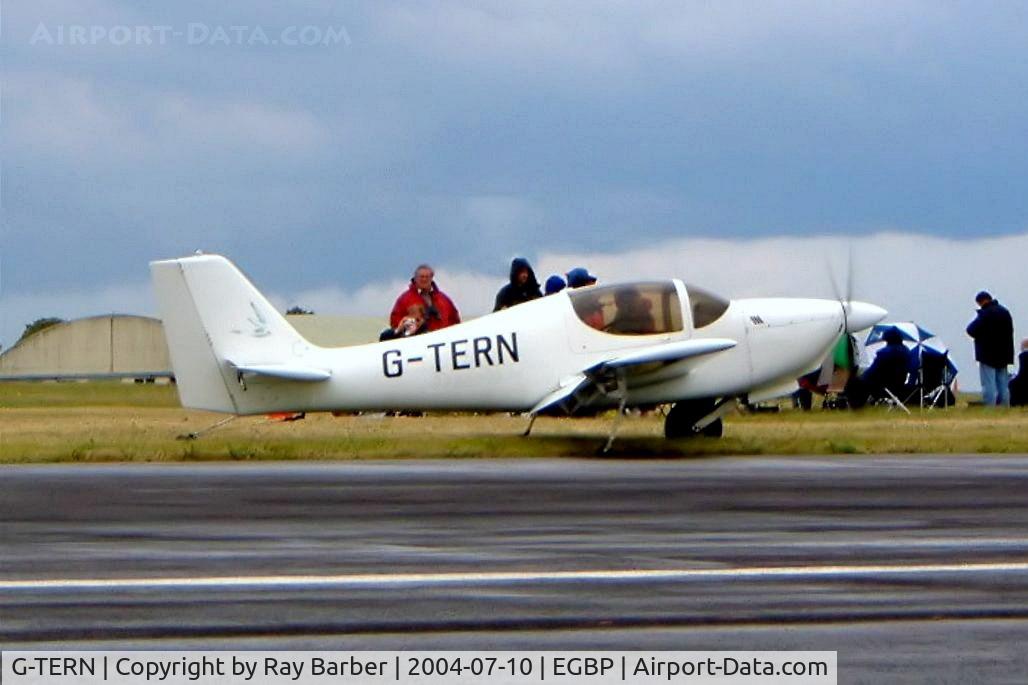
108,346
133,347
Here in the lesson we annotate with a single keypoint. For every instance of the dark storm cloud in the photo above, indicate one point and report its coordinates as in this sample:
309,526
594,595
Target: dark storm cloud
462,133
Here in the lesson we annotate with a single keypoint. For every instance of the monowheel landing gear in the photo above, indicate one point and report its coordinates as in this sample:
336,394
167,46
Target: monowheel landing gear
690,418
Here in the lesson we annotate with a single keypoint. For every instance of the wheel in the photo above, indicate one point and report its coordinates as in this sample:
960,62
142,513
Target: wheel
681,420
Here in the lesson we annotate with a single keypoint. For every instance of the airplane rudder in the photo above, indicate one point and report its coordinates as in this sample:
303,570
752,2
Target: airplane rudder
198,374
239,318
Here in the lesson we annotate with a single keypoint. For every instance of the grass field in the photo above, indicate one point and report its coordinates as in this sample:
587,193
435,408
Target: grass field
99,422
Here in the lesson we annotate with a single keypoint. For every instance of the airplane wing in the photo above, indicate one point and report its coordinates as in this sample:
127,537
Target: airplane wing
667,353
562,394
288,372
597,379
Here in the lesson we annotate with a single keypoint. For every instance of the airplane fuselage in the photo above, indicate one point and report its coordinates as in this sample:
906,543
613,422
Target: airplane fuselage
509,359
638,343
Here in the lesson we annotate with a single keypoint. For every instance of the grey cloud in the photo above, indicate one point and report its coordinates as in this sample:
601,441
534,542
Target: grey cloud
543,127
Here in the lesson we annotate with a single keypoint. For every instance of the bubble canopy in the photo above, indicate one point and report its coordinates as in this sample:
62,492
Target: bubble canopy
646,308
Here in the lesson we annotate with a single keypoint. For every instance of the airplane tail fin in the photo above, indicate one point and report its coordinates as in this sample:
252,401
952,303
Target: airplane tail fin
219,327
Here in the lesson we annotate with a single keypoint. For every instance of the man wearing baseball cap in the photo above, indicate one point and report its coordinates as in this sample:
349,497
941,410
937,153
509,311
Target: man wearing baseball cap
580,277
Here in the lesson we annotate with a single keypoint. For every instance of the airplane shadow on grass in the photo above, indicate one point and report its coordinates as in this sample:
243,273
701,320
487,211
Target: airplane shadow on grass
638,448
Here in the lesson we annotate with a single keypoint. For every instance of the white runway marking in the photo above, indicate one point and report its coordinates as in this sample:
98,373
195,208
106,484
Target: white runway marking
501,577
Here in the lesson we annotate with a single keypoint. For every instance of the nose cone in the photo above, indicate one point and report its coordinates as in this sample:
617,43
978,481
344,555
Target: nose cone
861,315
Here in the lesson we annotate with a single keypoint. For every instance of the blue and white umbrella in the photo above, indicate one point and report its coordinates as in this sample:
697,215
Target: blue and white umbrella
921,341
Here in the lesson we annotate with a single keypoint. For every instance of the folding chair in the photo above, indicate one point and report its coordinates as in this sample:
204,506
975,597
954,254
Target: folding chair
892,401
936,375
897,394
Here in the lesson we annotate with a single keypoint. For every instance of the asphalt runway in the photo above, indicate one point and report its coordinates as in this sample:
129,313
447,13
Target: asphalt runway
913,568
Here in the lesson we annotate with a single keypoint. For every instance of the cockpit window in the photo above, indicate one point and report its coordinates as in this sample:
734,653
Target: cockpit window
706,306
630,309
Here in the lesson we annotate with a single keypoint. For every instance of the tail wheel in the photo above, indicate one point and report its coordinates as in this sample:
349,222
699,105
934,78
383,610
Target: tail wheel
681,420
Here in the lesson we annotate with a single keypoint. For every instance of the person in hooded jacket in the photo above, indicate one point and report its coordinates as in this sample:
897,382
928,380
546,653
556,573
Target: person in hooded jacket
892,366
890,371
523,286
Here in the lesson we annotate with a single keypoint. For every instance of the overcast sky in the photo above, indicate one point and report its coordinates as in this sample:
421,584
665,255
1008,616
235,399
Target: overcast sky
636,136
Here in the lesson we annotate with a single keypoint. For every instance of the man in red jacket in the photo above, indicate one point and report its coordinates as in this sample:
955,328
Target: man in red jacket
440,311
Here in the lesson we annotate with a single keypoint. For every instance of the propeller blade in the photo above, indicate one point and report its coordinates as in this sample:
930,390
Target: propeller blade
845,299
849,273
831,279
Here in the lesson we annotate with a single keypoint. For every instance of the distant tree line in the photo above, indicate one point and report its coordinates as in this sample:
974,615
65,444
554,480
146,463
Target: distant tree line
38,325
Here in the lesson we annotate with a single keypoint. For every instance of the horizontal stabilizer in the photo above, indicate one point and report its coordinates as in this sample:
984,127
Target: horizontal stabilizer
288,372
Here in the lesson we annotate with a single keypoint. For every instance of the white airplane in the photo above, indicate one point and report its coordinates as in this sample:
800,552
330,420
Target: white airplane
624,345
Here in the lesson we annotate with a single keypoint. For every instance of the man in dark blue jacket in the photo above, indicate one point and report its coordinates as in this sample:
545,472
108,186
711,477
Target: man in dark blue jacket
993,333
